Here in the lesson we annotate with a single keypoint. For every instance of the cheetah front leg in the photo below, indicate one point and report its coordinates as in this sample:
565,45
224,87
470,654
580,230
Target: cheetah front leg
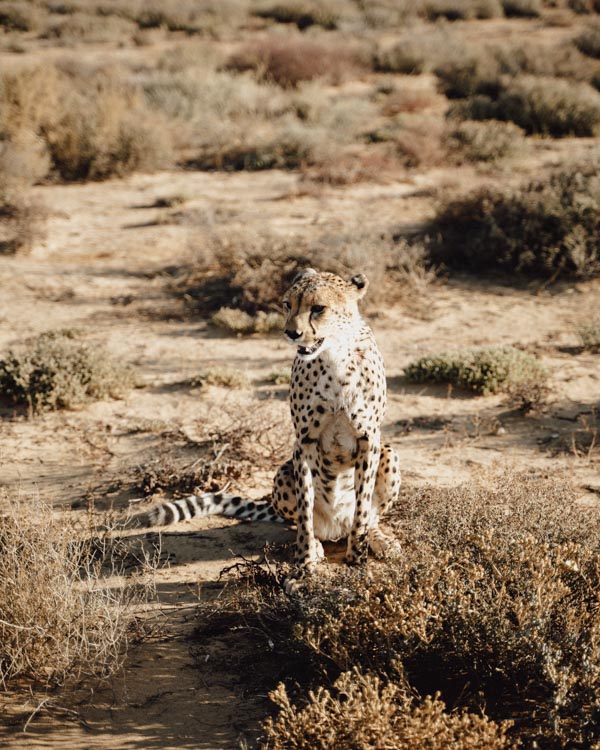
308,549
386,493
365,472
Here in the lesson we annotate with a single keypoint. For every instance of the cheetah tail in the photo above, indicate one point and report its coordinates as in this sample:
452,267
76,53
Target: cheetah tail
207,504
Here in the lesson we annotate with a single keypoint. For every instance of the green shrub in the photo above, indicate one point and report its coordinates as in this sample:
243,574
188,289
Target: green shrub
489,141
548,228
56,371
484,371
492,607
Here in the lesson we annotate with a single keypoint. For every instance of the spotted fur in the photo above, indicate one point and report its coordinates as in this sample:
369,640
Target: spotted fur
340,478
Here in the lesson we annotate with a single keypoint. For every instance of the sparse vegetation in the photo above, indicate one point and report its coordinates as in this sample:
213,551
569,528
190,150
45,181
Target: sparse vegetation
83,127
237,321
229,451
59,371
590,335
540,105
548,228
489,141
484,371
226,377
60,619
490,608
251,273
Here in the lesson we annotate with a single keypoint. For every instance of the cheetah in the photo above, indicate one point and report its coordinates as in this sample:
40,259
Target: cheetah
340,478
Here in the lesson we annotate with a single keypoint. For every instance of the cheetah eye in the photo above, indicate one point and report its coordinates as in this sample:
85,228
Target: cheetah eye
286,305
317,309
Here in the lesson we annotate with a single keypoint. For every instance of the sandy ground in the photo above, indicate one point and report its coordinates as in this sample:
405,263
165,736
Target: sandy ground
103,269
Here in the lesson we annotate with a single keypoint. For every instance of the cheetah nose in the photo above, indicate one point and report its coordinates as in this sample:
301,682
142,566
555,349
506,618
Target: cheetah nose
291,334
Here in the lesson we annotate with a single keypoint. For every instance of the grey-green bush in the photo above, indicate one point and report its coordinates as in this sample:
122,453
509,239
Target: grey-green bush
485,371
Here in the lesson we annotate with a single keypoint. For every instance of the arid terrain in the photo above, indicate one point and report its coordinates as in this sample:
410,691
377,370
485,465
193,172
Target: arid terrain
118,263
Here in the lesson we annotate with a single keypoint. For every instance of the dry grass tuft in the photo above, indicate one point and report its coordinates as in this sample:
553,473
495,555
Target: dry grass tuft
57,371
59,621
484,371
548,228
492,608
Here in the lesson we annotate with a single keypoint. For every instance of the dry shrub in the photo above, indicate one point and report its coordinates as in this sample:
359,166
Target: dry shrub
251,273
231,450
488,70
550,106
239,322
90,28
489,142
288,61
584,6
191,16
463,10
522,8
418,51
484,371
589,41
305,13
547,228
22,221
20,16
59,621
419,141
590,335
493,605
225,377
91,125
363,711
58,371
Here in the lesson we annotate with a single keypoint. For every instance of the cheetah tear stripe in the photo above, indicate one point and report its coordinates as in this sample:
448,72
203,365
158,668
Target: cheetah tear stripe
208,504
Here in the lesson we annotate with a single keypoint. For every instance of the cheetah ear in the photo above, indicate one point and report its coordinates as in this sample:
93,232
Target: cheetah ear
303,274
361,283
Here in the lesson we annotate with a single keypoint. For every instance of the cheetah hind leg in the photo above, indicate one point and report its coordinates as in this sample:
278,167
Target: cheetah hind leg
387,491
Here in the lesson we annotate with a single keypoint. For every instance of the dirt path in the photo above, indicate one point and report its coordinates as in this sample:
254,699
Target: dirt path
102,270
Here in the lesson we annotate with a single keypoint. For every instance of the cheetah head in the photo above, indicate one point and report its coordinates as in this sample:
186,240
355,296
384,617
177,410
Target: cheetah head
322,311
